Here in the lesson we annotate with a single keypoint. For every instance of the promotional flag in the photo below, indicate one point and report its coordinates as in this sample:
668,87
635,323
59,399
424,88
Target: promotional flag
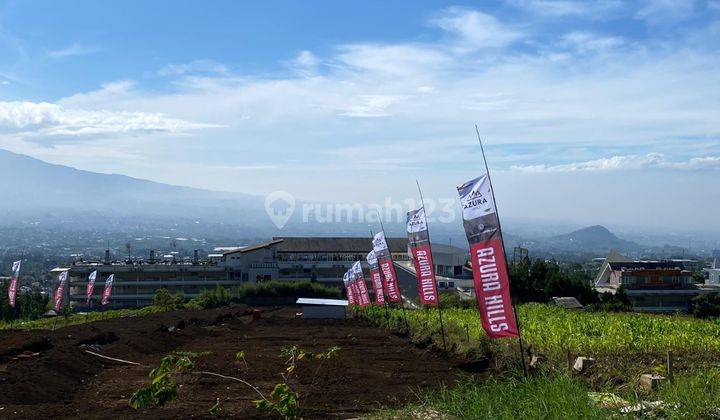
487,256
91,285
387,269
60,292
362,286
354,287
348,289
375,278
15,278
108,289
419,241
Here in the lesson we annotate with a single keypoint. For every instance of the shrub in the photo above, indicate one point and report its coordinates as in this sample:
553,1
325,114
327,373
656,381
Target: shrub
286,289
706,306
211,298
618,302
167,301
453,300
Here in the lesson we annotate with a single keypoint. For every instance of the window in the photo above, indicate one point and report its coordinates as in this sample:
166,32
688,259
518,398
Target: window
245,277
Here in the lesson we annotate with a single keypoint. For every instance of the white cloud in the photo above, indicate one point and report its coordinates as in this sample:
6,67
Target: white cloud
586,42
372,106
38,119
554,8
626,163
73,50
305,63
476,29
193,67
391,60
663,11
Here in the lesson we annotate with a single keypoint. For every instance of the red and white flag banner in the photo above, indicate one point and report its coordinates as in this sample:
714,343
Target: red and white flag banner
108,289
487,256
375,278
419,240
91,285
14,280
349,288
60,291
387,269
362,286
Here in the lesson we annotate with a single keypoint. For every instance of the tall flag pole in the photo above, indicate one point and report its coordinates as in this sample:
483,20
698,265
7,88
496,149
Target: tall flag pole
91,286
421,249
487,256
108,289
60,291
361,285
14,280
387,269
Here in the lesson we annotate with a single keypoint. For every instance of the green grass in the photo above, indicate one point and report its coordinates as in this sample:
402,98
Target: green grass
75,319
690,396
625,345
555,329
507,398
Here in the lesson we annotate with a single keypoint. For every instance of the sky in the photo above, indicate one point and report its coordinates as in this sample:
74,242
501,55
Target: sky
598,112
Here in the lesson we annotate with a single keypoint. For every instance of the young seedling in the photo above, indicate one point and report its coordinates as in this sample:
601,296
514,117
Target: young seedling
163,388
241,356
283,400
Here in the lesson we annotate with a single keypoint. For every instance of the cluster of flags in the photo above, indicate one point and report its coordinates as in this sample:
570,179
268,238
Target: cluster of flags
61,288
487,258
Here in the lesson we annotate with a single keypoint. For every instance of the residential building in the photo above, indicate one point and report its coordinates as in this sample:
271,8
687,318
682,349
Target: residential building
652,286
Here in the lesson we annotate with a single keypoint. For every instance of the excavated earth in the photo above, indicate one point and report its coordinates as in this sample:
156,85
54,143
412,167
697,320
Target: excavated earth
50,374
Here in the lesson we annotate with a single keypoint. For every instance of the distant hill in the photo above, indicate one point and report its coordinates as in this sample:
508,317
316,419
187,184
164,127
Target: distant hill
33,188
592,238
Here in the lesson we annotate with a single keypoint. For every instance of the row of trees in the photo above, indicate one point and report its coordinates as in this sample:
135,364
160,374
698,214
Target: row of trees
540,281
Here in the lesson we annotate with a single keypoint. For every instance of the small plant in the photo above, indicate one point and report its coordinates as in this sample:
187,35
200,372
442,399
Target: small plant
283,401
163,388
294,355
241,356
215,409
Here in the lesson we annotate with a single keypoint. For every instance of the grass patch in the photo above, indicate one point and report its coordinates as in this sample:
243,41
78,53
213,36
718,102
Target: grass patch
556,329
80,318
560,397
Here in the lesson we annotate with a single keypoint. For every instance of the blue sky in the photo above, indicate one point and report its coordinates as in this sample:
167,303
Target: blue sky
601,111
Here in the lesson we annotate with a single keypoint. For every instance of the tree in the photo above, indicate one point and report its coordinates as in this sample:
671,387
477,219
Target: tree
706,306
540,281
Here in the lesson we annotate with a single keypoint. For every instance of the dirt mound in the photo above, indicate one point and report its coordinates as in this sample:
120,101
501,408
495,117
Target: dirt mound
51,374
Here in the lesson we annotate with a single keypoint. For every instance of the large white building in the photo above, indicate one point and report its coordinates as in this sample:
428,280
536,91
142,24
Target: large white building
714,271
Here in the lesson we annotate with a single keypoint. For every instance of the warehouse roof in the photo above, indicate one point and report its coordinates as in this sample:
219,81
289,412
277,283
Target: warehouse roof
336,244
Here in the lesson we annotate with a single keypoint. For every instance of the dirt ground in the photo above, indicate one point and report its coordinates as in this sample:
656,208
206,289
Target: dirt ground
373,369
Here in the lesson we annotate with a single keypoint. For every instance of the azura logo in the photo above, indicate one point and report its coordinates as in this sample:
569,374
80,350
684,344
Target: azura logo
279,206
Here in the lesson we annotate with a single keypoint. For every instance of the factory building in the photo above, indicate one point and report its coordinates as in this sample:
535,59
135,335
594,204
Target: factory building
321,259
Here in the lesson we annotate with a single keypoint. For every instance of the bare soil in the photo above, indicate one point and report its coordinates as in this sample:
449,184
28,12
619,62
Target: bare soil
46,374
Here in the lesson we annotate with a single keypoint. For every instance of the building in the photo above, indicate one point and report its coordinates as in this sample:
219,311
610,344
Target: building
326,259
318,259
652,286
713,272
137,281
